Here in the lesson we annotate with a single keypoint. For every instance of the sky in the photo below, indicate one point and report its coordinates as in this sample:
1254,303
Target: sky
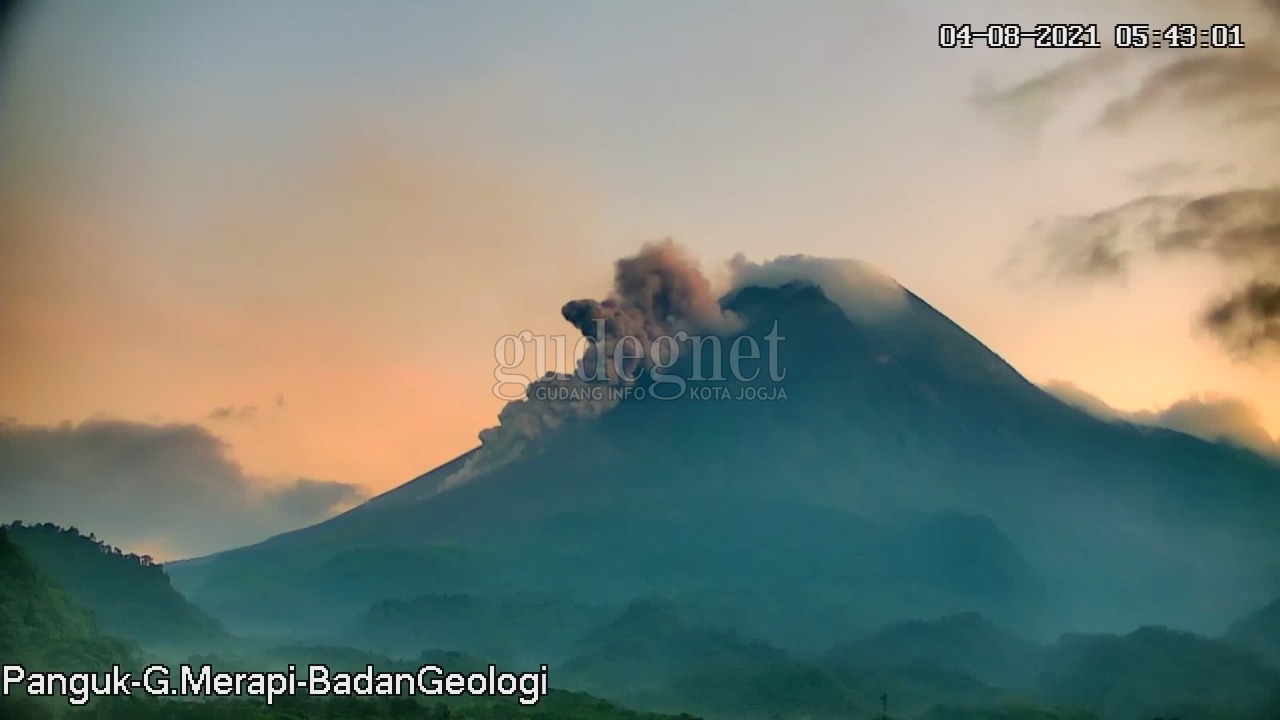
256,256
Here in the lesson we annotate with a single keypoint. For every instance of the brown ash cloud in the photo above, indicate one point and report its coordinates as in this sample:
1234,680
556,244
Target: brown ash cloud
661,303
656,294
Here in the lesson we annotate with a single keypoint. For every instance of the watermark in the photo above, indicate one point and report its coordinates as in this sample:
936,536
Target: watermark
550,392
672,366
194,681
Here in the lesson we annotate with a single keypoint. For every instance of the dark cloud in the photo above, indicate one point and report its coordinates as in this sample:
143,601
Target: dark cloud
1235,225
1102,244
233,412
1237,228
1248,320
304,500
9,12
243,412
1210,417
1241,86
171,490
1160,177
1033,101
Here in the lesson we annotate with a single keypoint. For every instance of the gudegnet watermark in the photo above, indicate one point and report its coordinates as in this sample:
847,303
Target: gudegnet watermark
715,368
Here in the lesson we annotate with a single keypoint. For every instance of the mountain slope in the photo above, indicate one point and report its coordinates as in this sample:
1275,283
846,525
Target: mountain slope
651,644
526,631
1260,632
892,419
41,626
1155,672
966,642
128,595
659,654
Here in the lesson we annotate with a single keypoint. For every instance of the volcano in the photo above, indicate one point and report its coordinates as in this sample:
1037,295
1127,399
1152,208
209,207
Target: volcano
886,467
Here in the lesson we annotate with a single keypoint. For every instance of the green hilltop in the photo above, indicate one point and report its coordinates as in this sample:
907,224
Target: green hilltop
129,595
41,625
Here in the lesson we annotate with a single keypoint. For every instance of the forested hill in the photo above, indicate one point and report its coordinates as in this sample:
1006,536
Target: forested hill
1259,632
42,626
129,595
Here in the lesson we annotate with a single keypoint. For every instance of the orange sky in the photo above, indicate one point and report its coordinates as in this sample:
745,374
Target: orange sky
354,234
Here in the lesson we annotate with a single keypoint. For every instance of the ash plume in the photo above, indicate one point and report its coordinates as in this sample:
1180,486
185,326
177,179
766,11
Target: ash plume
656,294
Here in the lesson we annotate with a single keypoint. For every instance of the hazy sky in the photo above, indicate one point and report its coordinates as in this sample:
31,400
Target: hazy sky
303,226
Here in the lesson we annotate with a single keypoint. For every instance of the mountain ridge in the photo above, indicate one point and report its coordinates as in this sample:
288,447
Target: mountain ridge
129,595
893,414
42,626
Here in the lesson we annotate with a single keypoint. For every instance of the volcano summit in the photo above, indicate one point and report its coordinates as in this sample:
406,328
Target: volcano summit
902,470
